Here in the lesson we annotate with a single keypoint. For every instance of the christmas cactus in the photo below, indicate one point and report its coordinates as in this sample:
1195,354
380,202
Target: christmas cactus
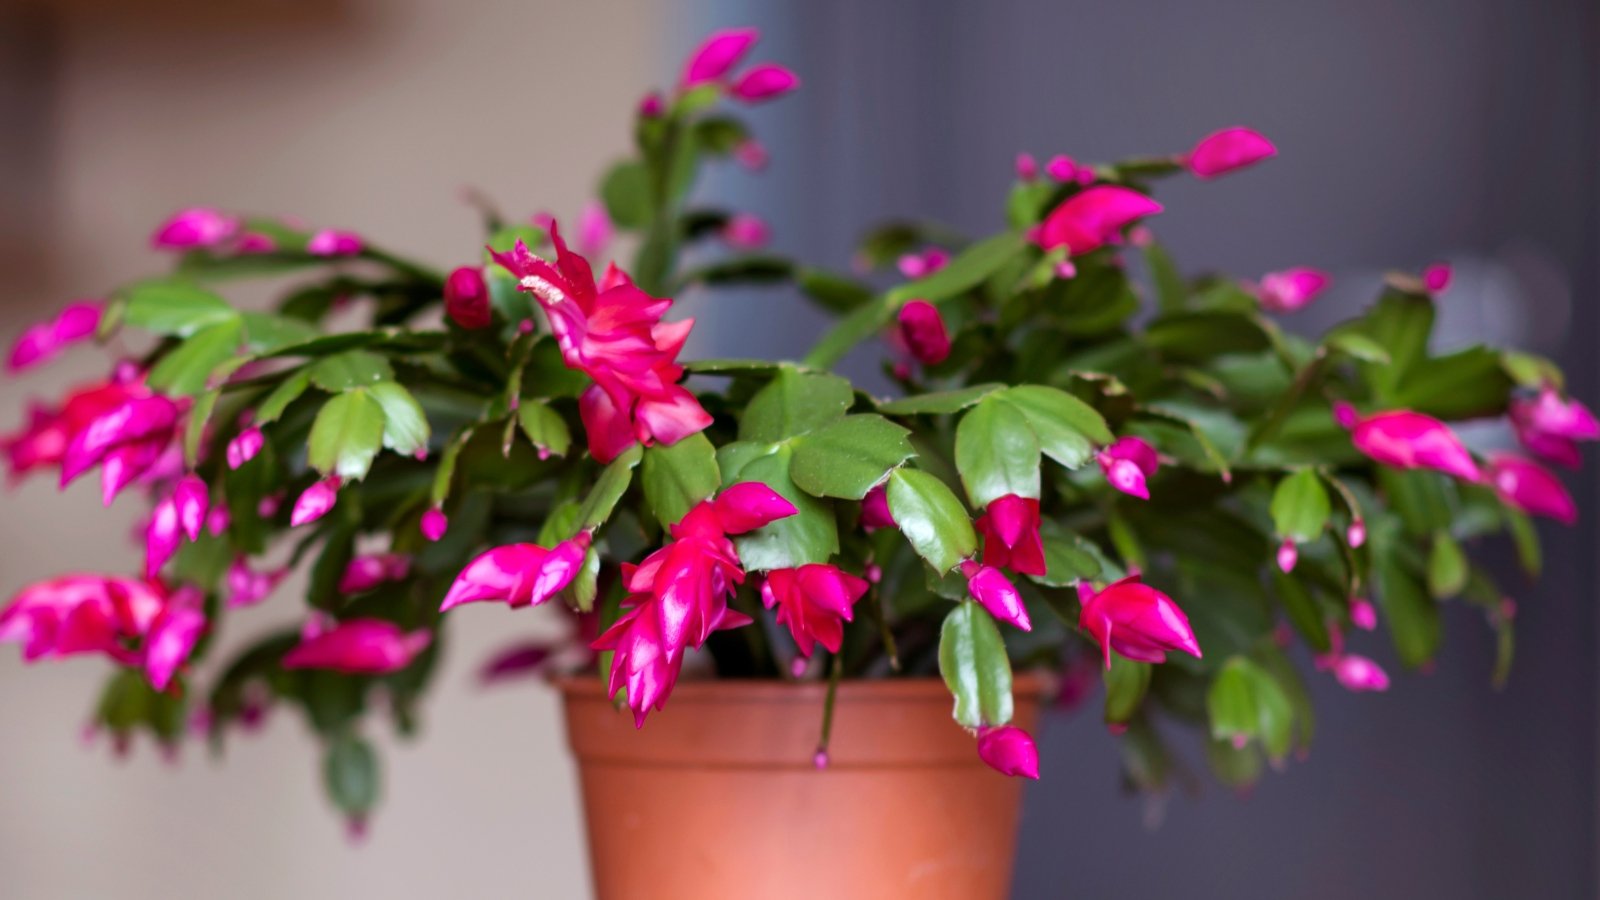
1092,463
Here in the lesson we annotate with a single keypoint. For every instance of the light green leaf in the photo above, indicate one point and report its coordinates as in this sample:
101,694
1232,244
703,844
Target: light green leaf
1054,414
405,425
846,458
972,659
1447,566
932,518
1126,683
1300,506
175,307
809,536
346,435
794,403
287,391
609,488
187,369
939,402
350,369
997,453
545,428
1245,702
677,477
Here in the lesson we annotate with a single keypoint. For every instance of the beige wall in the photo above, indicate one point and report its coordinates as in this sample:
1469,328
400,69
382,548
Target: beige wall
364,115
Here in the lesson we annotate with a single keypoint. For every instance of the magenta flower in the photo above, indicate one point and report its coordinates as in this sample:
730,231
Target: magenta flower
1227,151
921,265
244,446
333,242
594,229
1436,278
765,81
614,334
922,330
245,587
1128,464
141,426
1010,530
1009,750
195,227
1357,673
717,55
364,573
1363,614
359,647
172,637
744,231
253,242
466,298
1027,168
162,537
1092,218
1136,620
1408,440
995,593
1291,289
44,341
751,155
82,614
434,524
519,574
315,502
814,601
193,500
1551,426
1066,170
1288,555
875,510
1356,534
1527,486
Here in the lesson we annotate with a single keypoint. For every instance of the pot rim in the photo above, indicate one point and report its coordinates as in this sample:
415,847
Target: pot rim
1030,684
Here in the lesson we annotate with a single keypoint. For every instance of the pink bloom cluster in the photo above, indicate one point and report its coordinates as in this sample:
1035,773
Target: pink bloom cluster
356,647
1550,426
1291,289
134,622
1128,463
613,333
518,574
814,601
719,54
1093,218
679,595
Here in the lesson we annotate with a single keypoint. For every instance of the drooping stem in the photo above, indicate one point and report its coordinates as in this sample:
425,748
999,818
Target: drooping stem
835,670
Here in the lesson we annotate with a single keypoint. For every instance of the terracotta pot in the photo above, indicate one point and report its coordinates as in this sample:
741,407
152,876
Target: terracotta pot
719,796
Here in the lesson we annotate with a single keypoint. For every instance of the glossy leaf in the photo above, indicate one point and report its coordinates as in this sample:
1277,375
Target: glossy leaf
809,536
997,453
405,425
1300,506
846,458
1054,412
287,391
350,369
972,659
794,403
187,370
544,427
931,518
346,435
609,488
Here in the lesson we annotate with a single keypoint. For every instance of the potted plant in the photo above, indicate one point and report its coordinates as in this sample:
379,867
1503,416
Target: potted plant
1092,467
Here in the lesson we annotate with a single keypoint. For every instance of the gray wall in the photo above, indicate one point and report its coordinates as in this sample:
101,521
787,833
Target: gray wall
1408,131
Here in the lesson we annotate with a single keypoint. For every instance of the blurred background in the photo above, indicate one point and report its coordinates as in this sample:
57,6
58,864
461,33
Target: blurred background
1458,129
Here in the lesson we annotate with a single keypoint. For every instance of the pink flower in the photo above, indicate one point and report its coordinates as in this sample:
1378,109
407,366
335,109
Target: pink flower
1363,614
1064,169
651,105
744,231
1291,289
333,242
251,242
1551,426
1227,151
50,431
163,535
195,227
1357,673
193,500
131,435
814,601
244,446
81,614
1027,167
923,332
995,593
1527,486
1288,555
315,502
921,265
1092,218
246,587
434,524
1408,440
519,574
359,647
1356,534
367,572
1128,464
172,637
717,55
614,334
218,520
44,341
875,510
1010,530
1436,278
594,229
765,81
640,662
750,155
466,298
1009,750
1136,620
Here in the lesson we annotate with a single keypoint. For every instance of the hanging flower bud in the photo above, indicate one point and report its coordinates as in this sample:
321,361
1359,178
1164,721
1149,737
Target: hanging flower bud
990,587
875,510
162,536
1551,426
1128,463
1288,555
434,524
1009,750
1010,529
44,341
922,329
766,81
172,638
1356,534
1357,673
744,231
651,105
1136,620
359,647
1362,614
1291,289
369,571
466,298
717,55
1228,150
1027,168
193,499
1408,440
195,227
332,242
1436,278
1531,488
1092,218
315,502
245,587
244,446
519,574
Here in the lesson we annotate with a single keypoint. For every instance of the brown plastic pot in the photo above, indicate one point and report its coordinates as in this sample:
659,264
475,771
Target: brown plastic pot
719,796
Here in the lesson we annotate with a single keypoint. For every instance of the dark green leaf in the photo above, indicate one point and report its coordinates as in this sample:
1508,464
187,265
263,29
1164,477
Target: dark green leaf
626,193
351,369
973,661
1303,611
932,518
1412,617
1300,506
1171,292
794,403
938,402
847,457
997,452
